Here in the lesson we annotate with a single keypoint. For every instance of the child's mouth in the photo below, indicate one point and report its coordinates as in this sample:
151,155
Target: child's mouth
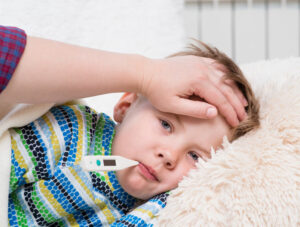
148,172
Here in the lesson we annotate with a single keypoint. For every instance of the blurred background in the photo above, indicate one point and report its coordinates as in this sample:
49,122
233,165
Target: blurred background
246,30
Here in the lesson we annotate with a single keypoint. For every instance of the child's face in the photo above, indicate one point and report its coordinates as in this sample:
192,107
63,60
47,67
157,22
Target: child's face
167,146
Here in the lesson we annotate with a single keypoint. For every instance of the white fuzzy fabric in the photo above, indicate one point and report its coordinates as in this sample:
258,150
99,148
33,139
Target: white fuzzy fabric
255,181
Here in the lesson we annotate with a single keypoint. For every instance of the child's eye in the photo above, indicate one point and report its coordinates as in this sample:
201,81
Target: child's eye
166,125
194,155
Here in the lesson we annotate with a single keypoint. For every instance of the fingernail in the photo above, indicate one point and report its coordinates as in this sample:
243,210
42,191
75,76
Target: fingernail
211,112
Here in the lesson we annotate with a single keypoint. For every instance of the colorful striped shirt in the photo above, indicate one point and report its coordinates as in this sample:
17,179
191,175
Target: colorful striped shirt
48,187
12,45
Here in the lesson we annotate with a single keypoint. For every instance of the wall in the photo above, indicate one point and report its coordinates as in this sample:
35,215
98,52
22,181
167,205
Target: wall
246,30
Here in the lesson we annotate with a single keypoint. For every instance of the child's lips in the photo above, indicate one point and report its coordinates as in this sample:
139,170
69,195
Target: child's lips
148,172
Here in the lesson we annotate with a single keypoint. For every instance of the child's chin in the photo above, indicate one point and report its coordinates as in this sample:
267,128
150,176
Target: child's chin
133,184
136,190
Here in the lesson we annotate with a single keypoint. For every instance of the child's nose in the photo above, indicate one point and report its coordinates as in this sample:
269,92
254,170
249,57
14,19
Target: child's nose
169,158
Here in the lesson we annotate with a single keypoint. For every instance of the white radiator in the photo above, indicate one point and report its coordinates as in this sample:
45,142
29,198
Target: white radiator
247,30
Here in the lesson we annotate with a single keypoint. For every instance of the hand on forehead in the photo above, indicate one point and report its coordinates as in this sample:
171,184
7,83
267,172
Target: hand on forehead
196,76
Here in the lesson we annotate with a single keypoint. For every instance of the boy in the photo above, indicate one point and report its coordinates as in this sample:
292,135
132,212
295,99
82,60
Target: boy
48,187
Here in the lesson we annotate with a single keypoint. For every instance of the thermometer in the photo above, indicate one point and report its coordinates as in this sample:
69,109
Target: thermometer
106,163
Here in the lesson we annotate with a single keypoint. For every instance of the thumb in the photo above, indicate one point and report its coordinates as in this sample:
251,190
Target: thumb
194,108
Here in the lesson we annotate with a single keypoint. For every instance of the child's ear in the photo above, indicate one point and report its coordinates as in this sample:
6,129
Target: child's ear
123,105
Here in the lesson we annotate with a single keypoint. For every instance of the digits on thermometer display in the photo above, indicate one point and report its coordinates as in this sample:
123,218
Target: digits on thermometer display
109,162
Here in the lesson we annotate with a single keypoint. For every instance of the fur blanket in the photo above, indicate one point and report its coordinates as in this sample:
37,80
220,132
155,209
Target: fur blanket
255,180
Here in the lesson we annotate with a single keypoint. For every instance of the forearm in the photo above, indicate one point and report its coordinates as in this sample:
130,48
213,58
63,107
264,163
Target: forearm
51,71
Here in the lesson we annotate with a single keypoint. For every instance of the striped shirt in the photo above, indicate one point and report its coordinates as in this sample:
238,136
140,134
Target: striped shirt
48,187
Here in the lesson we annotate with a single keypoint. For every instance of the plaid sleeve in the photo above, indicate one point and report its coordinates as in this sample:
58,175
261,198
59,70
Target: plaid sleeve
12,44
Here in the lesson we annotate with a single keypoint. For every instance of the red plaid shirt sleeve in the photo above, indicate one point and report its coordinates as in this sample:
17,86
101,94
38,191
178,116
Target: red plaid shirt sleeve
12,45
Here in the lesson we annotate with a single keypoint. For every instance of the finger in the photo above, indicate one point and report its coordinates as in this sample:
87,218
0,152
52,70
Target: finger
234,101
198,109
237,91
214,96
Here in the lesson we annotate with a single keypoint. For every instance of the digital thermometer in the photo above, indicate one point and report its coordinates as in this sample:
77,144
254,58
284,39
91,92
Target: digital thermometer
106,163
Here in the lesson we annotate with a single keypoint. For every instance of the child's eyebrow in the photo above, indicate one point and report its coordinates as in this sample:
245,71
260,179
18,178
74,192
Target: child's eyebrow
177,118
205,151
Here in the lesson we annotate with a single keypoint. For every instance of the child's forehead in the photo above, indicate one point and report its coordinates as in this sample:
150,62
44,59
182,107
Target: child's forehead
205,133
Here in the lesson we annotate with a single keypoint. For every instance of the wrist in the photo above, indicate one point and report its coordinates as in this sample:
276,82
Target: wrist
145,78
121,72
140,73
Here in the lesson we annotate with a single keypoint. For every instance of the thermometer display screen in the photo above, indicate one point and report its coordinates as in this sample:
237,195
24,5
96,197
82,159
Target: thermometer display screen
109,162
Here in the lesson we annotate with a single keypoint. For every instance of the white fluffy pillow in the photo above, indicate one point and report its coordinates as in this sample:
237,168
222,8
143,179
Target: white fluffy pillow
255,181
152,28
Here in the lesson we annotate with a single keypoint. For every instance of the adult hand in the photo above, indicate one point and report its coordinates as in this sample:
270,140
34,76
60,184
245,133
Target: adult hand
170,83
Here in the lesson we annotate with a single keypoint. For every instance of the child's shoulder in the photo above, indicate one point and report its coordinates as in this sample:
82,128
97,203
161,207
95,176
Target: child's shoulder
78,112
74,109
